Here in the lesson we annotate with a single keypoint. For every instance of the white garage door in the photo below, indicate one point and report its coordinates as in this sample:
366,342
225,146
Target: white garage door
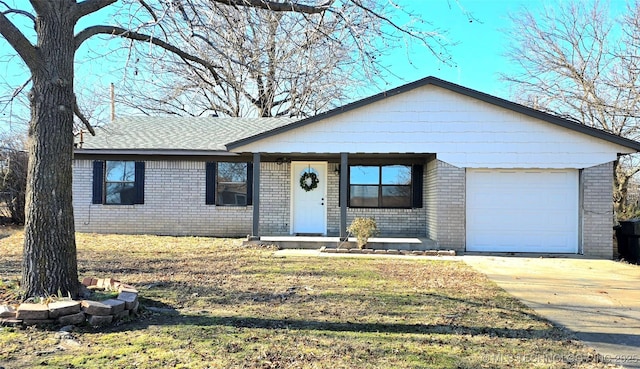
522,210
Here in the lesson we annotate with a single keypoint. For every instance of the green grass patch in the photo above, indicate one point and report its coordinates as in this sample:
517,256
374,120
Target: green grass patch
243,308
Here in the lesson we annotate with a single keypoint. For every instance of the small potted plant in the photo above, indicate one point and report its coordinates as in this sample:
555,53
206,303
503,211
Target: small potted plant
362,229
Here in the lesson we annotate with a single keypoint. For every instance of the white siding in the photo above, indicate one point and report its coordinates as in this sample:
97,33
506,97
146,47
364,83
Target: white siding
463,131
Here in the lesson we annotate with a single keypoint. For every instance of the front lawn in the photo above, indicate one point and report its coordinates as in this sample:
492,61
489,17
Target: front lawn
219,305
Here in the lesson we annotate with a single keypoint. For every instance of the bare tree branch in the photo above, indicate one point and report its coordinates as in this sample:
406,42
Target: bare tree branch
78,113
19,42
149,9
121,32
286,6
18,11
89,6
574,66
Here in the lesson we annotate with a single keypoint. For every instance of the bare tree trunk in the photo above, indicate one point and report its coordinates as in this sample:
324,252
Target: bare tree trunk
49,265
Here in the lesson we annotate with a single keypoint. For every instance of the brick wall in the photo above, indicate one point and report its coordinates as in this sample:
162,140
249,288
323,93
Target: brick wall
431,199
451,206
275,195
174,204
391,222
597,211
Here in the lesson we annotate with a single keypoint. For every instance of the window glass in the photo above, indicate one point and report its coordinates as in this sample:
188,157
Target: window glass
120,182
364,174
381,186
396,196
396,175
231,184
121,171
364,196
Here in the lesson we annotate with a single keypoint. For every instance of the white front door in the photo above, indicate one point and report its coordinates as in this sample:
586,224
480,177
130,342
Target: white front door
308,199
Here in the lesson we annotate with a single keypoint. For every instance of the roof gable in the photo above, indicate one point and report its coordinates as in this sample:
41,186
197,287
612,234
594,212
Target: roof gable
481,96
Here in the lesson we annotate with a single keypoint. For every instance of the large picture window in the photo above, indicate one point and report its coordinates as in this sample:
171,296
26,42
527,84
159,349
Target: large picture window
118,182
229,183
380,186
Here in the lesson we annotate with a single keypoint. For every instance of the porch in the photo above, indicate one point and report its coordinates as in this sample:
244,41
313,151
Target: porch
375,243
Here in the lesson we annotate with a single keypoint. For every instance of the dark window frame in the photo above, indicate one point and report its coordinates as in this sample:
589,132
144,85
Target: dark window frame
415,188
212,184
100,183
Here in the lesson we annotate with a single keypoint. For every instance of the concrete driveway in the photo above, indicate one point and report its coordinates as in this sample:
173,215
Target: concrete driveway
599,300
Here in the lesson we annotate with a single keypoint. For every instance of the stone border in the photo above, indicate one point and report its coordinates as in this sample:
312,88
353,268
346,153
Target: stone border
330,250
74,312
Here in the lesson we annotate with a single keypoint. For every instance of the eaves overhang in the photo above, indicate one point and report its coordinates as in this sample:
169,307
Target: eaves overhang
154,152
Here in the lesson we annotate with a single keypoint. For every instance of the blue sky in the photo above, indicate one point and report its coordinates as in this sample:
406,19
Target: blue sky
478,55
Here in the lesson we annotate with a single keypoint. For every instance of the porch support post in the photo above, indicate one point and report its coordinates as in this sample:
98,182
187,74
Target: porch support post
255,232
344,167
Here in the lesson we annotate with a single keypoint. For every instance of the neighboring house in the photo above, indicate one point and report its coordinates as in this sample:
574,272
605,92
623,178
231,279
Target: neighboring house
429,159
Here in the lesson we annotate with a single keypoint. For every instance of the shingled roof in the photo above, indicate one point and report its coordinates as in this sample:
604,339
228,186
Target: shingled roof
176,133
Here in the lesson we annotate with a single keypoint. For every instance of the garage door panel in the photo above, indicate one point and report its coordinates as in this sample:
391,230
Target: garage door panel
522,210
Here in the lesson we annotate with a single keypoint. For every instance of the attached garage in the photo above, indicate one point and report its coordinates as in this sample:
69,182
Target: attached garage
518,210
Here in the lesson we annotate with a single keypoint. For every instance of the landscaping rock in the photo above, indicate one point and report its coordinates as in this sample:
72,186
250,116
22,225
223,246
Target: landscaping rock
121,315
135,307
99,320
87,281
10,322
379,251
129,298
117,306
431,253
38,321
95,308
419,253
393,252
61,308
367,251
7,311
73,319
32,312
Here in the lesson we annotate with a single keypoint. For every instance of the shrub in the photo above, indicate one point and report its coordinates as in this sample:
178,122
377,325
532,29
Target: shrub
363,228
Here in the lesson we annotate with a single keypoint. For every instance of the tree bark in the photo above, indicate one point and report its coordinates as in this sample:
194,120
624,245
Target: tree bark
50,263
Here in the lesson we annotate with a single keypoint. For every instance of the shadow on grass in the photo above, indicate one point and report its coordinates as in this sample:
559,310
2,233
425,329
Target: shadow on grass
156,313
174,318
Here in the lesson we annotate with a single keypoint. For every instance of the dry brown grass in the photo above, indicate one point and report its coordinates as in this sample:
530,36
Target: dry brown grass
239,307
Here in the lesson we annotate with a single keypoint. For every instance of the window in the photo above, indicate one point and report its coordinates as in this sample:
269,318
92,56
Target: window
385,186
118,182
229,183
